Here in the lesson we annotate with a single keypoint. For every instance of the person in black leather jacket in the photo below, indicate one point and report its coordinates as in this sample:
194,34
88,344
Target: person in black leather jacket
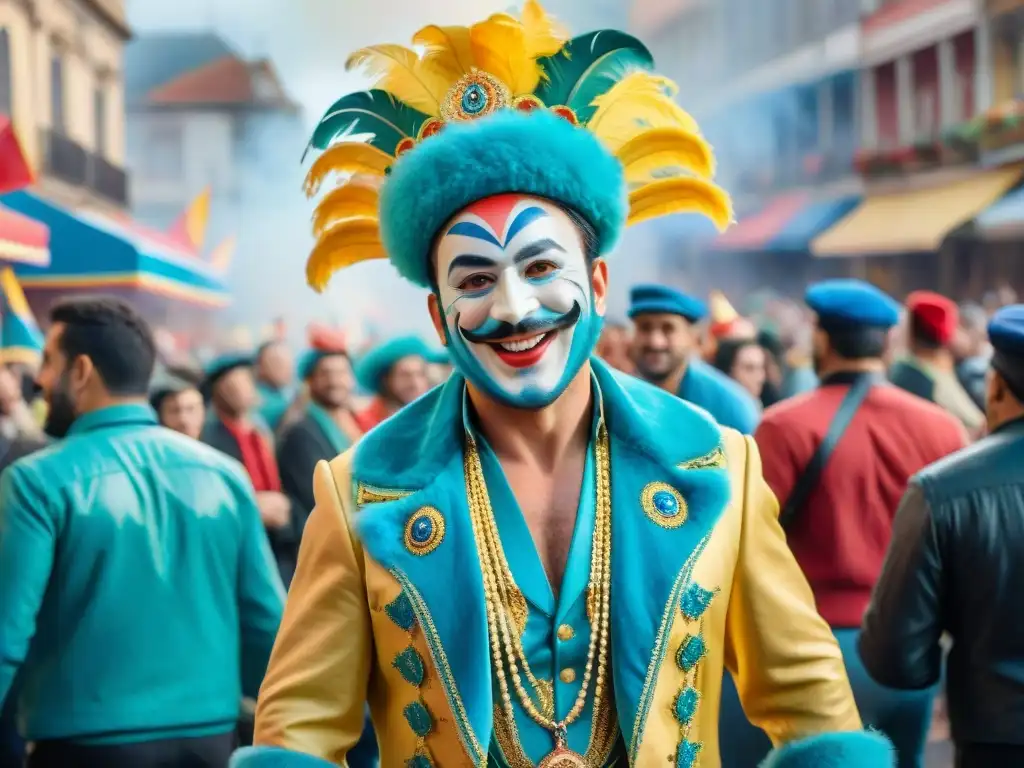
954,567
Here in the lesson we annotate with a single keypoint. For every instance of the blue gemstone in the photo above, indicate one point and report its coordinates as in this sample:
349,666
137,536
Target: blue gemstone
666,504
422,529
474,100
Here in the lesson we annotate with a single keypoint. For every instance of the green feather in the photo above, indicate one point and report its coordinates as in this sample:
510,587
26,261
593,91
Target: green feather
587,67
374,112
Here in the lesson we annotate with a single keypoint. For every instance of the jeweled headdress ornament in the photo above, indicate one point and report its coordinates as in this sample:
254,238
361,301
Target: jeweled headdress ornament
506,105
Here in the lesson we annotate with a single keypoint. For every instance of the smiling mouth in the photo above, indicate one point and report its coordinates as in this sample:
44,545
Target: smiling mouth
523,352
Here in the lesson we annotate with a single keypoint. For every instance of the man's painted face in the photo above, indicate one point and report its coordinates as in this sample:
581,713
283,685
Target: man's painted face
515,292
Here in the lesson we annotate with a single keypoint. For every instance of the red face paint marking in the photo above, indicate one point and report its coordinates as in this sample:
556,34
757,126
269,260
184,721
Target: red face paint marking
495,211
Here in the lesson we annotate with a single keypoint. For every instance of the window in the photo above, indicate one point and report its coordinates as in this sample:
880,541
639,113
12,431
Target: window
163,153
6,81
57,93
99,116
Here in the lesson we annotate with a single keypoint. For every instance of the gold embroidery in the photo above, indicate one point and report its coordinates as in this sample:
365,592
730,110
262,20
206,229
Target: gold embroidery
424,531
712,460
667,619
546,696
366,494
468,737
663,505
604,733
518,610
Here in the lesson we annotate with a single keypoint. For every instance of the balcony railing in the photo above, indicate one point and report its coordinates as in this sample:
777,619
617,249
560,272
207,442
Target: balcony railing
70,162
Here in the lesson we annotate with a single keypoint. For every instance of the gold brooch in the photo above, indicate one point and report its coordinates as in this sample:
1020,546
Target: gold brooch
424,531
664,505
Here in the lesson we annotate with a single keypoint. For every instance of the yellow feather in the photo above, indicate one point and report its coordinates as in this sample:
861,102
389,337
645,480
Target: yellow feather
349,201
448,48
544,36
346,244
499,48
346,157
637,103
663,147
683,194
420,83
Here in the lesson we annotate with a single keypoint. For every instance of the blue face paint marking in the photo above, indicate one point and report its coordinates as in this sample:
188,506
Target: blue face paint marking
474,230
523,219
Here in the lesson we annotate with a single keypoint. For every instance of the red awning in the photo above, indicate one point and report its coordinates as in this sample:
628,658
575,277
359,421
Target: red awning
754,232
15,172
23,240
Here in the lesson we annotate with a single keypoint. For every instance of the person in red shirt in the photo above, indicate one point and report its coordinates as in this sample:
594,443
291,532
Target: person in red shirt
230,388
838,459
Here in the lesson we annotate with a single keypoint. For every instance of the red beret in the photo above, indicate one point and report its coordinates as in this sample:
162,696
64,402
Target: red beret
935,314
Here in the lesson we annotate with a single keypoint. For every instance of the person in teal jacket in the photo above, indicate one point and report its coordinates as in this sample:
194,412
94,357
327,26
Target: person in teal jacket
665,344
138,597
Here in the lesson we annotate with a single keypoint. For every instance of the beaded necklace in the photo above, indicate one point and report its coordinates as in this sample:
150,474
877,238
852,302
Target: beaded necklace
499,598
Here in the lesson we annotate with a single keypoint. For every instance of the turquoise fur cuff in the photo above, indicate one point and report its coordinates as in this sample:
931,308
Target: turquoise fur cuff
853,749
275,757
537,153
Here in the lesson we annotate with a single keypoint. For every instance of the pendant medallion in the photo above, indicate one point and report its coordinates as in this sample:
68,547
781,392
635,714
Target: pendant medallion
562,757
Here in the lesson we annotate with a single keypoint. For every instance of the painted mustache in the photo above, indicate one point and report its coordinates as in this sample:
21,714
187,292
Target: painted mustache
542,321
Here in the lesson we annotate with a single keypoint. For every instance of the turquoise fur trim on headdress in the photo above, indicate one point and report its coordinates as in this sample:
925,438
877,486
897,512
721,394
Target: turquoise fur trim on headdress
532,154
376,363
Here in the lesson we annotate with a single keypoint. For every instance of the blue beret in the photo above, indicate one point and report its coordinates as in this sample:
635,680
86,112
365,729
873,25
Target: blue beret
225,364
309,359
440,357
1006,331
852,303
376,363
662,300
165,386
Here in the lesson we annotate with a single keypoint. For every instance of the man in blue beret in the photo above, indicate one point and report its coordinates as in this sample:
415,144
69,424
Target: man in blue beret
954,567
666,340
838,459
396,373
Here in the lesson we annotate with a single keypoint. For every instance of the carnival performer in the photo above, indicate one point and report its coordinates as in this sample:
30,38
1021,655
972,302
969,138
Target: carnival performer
666,350
542,562
395,373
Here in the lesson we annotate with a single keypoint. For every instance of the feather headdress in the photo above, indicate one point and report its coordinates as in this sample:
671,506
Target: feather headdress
600,83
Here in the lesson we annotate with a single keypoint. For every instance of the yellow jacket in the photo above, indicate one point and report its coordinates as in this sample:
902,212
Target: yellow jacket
360,598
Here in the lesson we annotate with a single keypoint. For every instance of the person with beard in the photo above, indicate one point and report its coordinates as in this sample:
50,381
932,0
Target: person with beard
457,573
230,389
838,459
149,545
327,429
179,405
954,568
396,373
666,352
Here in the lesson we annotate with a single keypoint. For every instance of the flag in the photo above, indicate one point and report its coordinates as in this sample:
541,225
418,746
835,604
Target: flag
190,227
21,341
220,257
15,171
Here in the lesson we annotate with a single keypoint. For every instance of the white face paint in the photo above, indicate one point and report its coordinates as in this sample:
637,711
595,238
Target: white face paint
514,288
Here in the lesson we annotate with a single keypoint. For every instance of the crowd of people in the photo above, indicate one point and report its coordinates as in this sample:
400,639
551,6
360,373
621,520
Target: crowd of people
722,540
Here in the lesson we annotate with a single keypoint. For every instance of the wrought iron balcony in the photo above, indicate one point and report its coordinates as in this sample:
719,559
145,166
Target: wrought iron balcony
68,161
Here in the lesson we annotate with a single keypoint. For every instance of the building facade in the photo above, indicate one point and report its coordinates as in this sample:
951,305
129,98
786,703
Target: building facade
61,84
202,117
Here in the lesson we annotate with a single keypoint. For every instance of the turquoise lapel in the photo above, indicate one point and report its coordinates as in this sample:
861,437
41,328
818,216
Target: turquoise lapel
662,515
425,539
332,432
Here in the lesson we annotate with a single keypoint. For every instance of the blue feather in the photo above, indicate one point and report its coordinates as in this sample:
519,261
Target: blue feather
587,67
374,112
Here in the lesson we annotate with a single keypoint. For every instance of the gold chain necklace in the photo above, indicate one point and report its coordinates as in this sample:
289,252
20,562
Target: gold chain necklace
499,586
